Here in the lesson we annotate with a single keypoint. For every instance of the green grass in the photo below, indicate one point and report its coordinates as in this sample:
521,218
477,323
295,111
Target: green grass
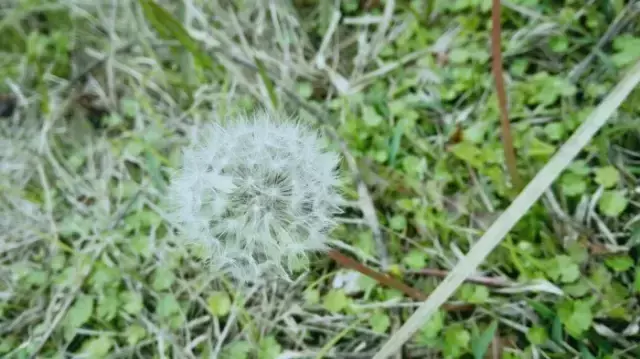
108,94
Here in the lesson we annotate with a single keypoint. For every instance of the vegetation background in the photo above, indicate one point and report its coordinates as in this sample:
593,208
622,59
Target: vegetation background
98,97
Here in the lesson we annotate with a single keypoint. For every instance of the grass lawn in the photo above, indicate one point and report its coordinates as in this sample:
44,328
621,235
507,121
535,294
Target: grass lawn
99,98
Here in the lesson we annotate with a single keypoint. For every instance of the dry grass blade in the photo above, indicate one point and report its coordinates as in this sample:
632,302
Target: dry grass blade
514,212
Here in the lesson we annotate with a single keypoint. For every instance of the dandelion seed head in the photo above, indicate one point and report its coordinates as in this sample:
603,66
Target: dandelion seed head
256,195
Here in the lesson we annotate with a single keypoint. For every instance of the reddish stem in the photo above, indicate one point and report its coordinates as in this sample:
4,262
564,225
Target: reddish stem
496,65
385,279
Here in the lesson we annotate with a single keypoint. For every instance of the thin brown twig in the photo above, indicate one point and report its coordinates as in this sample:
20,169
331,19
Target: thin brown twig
496,66
496,347
387,280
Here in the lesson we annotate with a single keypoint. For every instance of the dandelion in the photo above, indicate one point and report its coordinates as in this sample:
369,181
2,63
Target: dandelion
256,195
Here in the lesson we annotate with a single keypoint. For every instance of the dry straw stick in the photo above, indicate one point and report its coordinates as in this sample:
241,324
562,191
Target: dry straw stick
467,266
